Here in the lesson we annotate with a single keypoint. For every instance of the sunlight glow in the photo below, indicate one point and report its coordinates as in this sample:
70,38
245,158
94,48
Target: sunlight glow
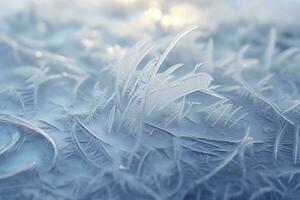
177,16
183,14
126,1
154,14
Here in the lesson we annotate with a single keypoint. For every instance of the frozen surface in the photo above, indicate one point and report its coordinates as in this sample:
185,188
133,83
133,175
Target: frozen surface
128,99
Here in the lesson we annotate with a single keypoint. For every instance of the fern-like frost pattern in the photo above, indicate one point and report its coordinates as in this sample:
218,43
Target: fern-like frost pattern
148,122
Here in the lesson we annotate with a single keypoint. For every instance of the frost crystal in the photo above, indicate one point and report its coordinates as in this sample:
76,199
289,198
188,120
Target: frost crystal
190,112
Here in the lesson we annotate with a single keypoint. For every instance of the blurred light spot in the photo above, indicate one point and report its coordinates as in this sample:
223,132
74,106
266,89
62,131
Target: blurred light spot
102,2
181,15
87,43
115,52
122,167
126,1
154,14
38,54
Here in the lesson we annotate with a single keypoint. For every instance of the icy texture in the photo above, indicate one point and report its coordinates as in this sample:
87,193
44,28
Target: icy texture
211,112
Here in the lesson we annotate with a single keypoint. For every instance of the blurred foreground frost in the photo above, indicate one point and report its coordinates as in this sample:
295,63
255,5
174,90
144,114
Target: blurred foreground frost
102,100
